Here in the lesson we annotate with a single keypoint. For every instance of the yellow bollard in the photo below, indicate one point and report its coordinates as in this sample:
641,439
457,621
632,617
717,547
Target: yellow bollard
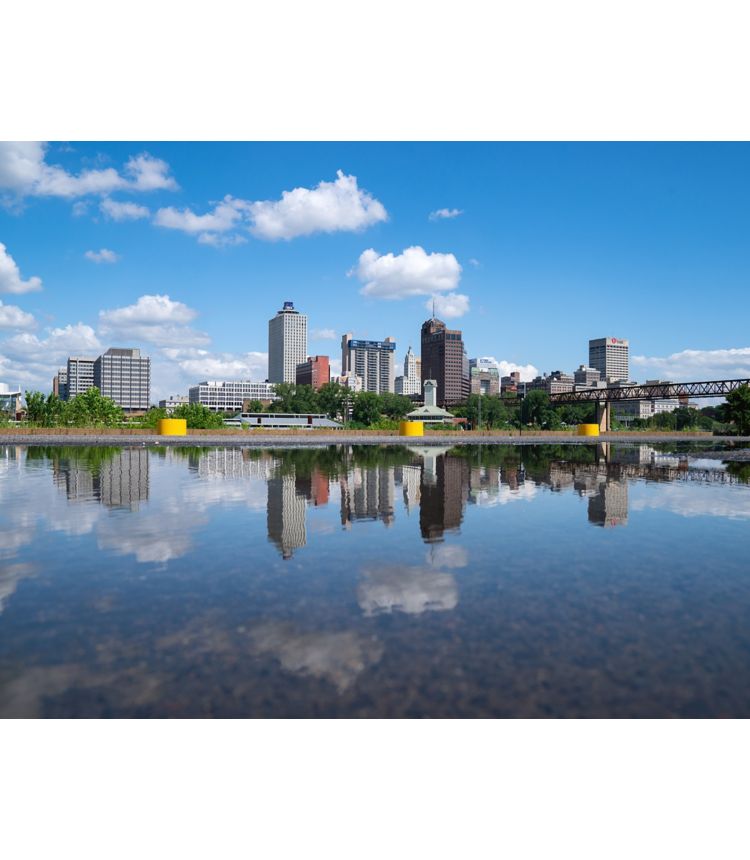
411,428
588,429
171,427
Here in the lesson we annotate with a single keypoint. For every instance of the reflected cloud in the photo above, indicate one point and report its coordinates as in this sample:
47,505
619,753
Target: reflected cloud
447,555
712,501
337,657
412,590
10,576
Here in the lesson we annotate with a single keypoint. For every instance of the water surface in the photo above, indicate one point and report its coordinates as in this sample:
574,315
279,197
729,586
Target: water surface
534,581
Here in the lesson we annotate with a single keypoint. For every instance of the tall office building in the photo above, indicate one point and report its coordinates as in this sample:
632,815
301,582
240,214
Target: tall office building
411,381
444,359
287,344
371,360
125,377
80,375
609,355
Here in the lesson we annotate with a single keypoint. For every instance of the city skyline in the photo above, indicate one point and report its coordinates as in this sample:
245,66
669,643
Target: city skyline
530,249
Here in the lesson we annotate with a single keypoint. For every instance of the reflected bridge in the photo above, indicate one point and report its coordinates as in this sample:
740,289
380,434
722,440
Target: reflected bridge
603,397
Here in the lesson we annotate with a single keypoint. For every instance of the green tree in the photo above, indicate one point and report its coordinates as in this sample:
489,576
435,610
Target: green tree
737,409
198,416
366,408
395,405
254,406
332,399
91,409
36,410
535,408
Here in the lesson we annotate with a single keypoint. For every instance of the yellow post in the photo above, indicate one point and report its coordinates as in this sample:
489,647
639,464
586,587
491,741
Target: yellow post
588,429
171,427
411,428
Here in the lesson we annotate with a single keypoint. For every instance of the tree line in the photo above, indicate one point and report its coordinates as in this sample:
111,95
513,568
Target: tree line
366,409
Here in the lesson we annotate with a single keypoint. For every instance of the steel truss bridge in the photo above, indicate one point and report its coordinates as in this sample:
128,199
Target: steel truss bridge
656,391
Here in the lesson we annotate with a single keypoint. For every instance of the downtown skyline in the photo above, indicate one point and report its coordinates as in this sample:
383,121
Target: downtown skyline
186,251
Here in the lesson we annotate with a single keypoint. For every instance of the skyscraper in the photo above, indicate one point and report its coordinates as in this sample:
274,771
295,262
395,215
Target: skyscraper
287,344
411,381
371,360
444,359
609,355
80,375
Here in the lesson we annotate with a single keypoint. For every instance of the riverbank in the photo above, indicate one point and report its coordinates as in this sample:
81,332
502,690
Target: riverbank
285,439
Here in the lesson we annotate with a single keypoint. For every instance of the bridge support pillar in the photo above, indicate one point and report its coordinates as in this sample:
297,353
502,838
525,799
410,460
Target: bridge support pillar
603,416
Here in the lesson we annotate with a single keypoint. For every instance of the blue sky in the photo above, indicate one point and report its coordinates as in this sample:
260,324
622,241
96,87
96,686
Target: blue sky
538,247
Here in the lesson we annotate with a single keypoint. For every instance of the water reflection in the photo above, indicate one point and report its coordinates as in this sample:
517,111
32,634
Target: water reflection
409,580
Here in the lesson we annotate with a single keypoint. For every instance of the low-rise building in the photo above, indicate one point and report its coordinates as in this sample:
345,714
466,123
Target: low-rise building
10,401
586,376
173,401
484,377
229,396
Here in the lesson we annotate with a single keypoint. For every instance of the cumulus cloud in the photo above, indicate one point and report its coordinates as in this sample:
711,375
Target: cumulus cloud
119,210
414,272
13,317
201,364
24,171
154,319
412,590
225,216
327,208
10,276
323,334
102,256
505,368
450,306
692,365
78,339
440,214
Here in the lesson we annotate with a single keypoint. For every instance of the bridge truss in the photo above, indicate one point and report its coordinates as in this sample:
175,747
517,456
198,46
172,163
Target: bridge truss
658,391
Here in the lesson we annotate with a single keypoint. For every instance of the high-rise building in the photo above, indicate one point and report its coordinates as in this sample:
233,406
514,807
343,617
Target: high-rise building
484,377
287,344
371,360
316,371
444,360
60,383
609,355
411,381
80,375
125,377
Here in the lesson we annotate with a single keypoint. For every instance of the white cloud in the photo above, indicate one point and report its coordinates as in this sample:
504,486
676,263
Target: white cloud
78,339
102,256
439,214
150,174
219,241
25,172
414,272
80,208
225,216
13,317
118,210
505,368
451,306
323,334
412,590
327,208
694,365
474,262
200,365
10,276
154,319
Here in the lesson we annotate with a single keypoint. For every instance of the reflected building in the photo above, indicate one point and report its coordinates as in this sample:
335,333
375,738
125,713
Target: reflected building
609,506
232,463
368,493
409,479
117,480
286,515
444,491
314,487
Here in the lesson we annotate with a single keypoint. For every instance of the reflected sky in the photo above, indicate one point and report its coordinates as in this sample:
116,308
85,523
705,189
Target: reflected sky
403,581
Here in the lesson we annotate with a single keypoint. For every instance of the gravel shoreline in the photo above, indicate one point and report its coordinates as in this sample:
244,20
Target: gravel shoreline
257,440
